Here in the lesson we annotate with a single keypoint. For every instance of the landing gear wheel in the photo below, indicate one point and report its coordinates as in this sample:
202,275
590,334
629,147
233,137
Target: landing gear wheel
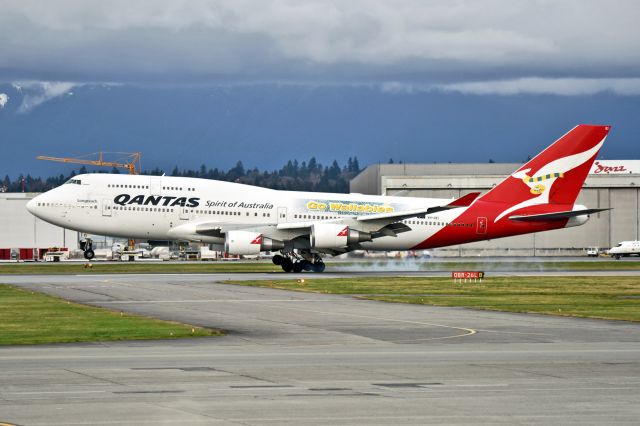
286,265
277,259
306,265
318,267
297,267
89,254
617,257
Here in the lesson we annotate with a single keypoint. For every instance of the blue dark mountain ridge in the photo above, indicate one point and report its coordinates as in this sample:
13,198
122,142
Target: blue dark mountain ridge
265,125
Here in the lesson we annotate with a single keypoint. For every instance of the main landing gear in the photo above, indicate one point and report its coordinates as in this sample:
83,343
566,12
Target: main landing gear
86,245
291,262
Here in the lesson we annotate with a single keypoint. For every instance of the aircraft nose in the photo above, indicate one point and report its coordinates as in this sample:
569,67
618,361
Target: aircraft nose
31,205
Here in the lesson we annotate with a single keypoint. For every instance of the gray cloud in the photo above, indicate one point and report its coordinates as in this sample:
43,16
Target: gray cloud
35,93
180,40
525,86
546,86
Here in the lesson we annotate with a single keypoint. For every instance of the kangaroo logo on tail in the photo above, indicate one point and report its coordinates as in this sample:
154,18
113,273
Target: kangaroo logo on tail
539,188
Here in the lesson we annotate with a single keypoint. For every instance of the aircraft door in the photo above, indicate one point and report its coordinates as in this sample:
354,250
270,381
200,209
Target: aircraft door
184,213
282,214
155,185
481,225
106,207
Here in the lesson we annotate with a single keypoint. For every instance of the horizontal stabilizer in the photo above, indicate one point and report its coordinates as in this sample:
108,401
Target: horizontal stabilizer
555,216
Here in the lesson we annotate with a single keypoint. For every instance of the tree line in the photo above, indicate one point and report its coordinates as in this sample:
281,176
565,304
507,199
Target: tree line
294,176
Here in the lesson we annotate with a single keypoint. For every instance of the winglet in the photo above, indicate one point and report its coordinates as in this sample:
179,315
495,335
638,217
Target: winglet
465,200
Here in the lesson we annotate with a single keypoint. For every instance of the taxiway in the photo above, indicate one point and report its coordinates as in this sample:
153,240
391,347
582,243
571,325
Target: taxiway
301,358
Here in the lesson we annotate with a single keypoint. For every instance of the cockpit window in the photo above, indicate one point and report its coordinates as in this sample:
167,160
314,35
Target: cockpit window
74,182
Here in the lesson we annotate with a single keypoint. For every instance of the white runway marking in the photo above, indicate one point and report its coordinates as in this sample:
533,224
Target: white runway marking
469,331
51,392
133,302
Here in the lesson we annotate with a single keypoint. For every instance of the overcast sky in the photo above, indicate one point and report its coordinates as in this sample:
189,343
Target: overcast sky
403,49
411,41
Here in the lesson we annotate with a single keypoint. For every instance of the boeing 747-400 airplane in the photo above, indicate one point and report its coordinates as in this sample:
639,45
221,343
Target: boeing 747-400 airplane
303,226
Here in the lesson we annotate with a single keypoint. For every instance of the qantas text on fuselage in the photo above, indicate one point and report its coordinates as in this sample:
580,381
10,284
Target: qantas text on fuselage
303,226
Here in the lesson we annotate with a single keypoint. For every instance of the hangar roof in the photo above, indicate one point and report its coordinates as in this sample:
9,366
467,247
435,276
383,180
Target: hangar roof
604,173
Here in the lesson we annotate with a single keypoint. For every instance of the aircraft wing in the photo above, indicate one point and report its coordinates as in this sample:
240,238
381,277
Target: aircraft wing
194,230
380,225
384,224
211,229
303,225
463,201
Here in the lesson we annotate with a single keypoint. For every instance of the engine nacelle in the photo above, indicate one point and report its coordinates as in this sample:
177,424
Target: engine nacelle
329,235
246,242
577,220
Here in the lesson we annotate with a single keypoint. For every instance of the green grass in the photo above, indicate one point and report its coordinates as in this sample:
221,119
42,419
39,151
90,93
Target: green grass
134,268
28,317
248,267
616,298
510,265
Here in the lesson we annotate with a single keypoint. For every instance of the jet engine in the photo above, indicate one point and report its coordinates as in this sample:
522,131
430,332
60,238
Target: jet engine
246,242
328,235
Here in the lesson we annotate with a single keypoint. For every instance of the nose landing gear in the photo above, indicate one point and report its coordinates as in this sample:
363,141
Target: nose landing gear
86,245
292,262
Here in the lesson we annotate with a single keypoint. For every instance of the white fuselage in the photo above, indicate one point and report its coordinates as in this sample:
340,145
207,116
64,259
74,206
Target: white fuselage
171,208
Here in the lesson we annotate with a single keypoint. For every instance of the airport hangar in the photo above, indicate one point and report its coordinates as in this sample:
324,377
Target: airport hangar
24,234
611,184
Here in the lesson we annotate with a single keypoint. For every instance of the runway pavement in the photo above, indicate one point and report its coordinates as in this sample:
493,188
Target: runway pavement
299,358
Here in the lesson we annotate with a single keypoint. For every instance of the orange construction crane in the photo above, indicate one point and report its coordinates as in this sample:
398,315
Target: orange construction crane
134,158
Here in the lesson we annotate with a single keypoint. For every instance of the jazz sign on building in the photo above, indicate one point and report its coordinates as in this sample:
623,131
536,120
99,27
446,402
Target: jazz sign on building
617,167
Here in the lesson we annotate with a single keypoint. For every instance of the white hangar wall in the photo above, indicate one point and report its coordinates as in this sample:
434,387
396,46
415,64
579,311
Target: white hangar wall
21,229
610,184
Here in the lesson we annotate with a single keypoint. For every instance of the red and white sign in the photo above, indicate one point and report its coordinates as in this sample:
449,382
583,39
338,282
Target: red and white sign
467,275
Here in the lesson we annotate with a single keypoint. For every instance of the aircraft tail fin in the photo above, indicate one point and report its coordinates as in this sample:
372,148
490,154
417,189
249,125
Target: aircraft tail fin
556,175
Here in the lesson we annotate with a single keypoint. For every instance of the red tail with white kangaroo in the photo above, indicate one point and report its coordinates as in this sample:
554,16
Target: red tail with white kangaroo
539,196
